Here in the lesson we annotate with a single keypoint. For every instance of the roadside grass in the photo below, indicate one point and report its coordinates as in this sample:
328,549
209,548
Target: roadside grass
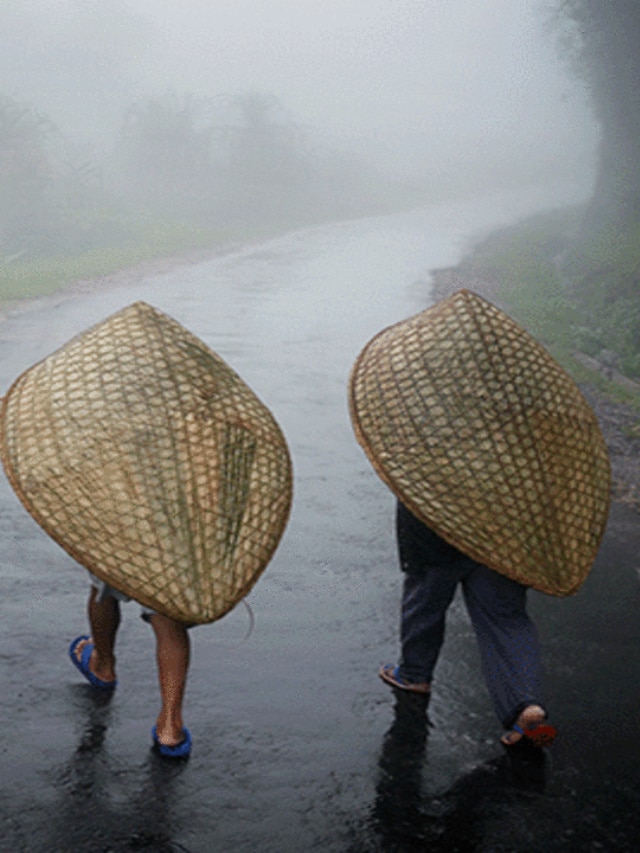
116,241
520,261
606,274
41,276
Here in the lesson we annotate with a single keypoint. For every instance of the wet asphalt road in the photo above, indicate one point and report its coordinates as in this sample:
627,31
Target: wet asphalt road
297,745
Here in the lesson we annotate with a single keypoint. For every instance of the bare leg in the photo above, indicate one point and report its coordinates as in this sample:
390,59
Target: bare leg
173,654
104,619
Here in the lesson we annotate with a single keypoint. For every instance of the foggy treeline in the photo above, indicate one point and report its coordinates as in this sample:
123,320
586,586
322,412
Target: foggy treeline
116,117
227,163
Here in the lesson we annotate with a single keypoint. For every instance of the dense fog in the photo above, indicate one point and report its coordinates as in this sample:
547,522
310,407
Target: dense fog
231,112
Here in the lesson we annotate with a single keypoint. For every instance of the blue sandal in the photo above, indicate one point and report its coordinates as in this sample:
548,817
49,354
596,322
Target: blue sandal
179,750
82,664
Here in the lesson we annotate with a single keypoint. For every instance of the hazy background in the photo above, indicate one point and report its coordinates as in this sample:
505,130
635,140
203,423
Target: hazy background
419,87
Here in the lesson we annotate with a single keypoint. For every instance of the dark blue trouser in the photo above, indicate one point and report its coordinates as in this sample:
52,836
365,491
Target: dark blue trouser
506,636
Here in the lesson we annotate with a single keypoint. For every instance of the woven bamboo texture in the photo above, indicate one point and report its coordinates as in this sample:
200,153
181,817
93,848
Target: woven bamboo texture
145,456
486,439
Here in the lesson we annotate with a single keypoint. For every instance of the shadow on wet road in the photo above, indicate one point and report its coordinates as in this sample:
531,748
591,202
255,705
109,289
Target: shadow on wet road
405,817
88,814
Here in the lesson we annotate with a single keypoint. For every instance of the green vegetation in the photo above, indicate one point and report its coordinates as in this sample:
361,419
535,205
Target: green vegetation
31,277
519,261
599,265
26,275
604,275
182,173
573,300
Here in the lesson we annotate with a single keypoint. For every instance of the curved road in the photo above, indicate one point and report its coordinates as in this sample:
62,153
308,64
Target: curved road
297,745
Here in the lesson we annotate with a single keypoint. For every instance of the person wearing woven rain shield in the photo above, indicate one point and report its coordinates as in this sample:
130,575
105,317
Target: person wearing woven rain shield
94,656
162,473
502,478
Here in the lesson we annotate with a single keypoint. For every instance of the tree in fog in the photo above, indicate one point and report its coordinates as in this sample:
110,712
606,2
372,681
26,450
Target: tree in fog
25,175
165,154
603,263
52,197
607,42
222,159
265,154
273,172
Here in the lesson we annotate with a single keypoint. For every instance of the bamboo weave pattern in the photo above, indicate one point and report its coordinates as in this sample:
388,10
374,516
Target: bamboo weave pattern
483,436
145,456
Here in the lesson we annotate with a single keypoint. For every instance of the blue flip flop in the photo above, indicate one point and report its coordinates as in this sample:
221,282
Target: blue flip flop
83,664
180,750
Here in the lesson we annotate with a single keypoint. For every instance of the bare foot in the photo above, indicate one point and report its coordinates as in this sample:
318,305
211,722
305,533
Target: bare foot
104,670
169,727
170,735
531,715
390,674
179,749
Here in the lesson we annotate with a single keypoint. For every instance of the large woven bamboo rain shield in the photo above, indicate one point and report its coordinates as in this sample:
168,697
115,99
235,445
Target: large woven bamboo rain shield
487,440
145,456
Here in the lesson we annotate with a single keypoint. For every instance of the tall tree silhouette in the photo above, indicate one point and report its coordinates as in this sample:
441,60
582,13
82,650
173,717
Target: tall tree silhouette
607,41
166,152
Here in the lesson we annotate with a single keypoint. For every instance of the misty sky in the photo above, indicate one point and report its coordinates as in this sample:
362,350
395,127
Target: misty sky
419,84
